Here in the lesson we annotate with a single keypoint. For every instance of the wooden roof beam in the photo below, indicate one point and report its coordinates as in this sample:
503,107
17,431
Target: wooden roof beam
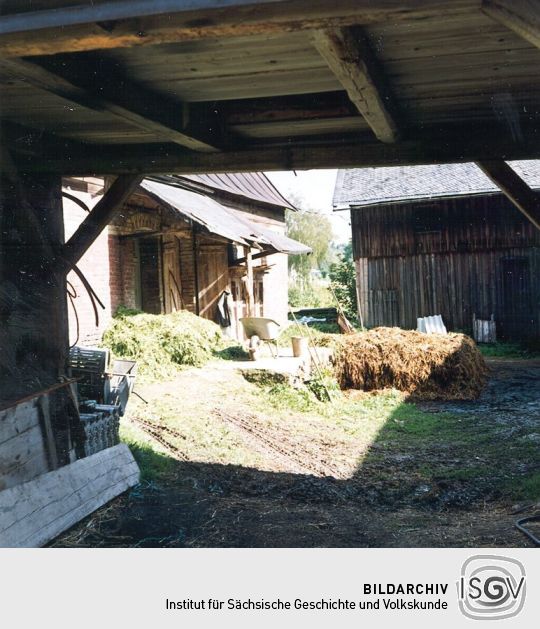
520,16
429,146
44,79
348,54
512,185
95,26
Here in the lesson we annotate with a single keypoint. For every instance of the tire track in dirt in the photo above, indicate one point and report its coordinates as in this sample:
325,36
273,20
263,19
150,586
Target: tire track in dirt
293,455
157,432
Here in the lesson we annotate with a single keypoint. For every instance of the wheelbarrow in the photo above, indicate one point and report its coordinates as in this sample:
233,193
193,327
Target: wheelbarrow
261,330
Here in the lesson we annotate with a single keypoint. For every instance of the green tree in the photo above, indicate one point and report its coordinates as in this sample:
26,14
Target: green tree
343,282
314,230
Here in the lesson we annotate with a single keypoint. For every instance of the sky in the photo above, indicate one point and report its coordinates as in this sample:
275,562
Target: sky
315,188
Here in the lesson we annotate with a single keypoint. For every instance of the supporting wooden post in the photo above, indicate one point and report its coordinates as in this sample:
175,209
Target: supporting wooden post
195,251
513,186
249,282
33,305
97,220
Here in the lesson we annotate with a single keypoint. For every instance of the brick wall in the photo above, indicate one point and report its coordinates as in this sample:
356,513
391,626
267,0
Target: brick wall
100,266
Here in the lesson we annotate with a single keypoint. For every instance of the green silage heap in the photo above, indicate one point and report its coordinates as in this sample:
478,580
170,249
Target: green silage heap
162,343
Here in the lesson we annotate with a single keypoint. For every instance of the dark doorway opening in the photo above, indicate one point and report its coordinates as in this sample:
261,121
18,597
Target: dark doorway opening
149,261
517,321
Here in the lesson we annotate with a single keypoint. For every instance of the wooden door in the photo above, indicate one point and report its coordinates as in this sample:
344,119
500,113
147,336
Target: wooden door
517,320
213,276
149,254
172,283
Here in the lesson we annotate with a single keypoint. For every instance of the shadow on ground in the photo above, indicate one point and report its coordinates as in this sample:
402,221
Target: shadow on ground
437,474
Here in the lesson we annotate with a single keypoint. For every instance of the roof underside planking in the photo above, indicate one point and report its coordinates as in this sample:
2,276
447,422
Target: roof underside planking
131,86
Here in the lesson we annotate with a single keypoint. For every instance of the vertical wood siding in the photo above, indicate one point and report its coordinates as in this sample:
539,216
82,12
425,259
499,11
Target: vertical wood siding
484,259
395,291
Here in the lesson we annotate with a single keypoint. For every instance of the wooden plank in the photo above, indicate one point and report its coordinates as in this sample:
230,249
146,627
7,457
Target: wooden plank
101,215
520,16
193,21
348,54
22,458
513,186
22,450
34,513
212,276
430,146
125,109
44,407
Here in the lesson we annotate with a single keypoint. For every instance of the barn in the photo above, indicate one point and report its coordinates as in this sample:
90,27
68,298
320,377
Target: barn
126,89
183,243
442,239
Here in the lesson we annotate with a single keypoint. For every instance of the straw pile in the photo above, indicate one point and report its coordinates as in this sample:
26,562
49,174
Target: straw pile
427,366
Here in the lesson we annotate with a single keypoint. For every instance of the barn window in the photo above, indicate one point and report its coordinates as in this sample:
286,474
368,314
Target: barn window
427,220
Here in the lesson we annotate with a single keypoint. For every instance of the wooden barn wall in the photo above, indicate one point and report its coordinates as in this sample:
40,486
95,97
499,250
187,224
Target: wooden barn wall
452,257
394,291
442,226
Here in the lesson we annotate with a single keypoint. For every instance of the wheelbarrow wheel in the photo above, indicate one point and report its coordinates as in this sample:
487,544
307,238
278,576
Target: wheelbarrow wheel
254,345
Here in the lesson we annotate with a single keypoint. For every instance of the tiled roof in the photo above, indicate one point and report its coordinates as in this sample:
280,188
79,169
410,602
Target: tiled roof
358,187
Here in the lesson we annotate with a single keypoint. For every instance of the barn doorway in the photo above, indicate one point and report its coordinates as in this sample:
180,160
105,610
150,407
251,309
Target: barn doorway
149,273
517,299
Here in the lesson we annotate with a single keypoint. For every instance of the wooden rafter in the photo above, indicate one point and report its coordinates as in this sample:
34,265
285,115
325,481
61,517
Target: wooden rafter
431,146
94,26
101,215
256,256
44,79
512,185
348,54
520,16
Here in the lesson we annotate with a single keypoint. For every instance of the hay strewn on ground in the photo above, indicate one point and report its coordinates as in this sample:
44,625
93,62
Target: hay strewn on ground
162,343
428,366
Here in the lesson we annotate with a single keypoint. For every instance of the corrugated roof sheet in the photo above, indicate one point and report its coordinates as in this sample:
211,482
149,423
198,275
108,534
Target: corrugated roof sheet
358,187
255,186
218,219
283,243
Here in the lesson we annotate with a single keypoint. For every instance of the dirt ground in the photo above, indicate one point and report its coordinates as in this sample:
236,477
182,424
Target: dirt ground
227,463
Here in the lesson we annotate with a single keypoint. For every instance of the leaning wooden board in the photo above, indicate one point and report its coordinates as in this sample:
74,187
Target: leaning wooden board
33,513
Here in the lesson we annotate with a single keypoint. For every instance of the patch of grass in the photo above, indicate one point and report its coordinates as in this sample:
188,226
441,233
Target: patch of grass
323,385
508,350
468,473
325,328
284,397
527,488
316,334
232,352
154,464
